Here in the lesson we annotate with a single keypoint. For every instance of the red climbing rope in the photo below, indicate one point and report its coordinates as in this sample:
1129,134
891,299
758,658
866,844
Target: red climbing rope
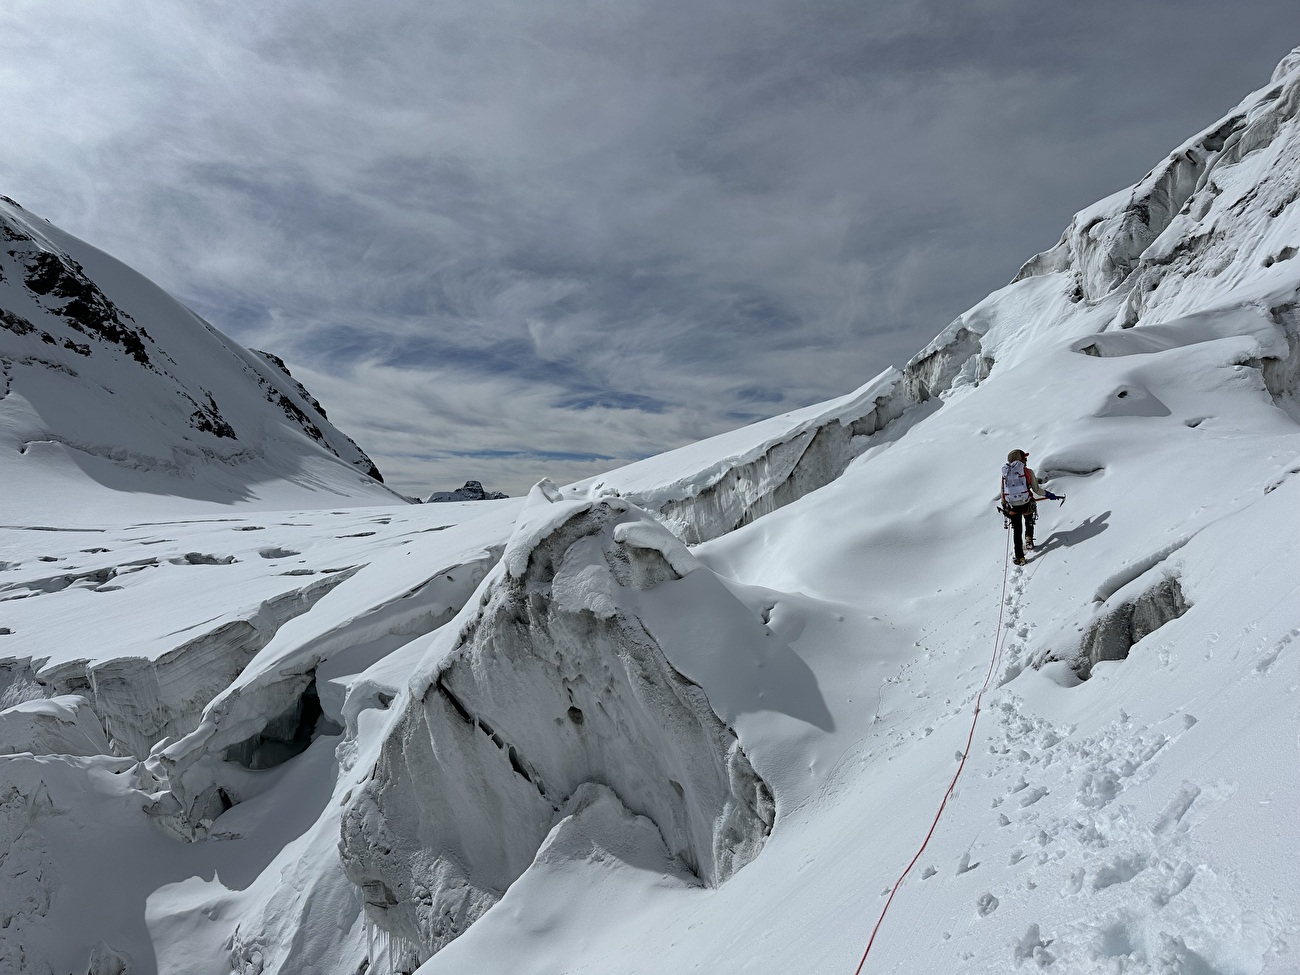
997,650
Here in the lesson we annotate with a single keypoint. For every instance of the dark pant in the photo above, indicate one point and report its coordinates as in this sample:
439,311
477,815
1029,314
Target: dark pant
1022,524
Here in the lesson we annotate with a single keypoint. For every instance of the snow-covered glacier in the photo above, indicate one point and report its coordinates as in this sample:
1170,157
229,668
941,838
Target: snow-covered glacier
701,713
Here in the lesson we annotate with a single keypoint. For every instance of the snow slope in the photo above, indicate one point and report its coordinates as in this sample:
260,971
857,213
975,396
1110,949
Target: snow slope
107,380
699,714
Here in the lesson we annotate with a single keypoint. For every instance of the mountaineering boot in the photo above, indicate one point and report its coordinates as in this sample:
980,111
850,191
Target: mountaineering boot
1019,560
1029,543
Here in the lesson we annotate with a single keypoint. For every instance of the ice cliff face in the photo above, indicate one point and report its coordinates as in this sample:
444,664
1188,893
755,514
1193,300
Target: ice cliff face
141,701
1191,237
1175,222
281,701
553,684
103,373
1198,227
55,726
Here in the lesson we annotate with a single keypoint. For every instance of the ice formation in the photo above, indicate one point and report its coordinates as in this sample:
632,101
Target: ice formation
282,701
52,726
726,482
141,701
553,685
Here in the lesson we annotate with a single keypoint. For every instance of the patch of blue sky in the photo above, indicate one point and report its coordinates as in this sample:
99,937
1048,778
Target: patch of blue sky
334,346
227,313
759,394
513,357
611,400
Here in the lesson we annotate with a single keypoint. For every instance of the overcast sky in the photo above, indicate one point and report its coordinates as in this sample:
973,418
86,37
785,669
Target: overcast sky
508,239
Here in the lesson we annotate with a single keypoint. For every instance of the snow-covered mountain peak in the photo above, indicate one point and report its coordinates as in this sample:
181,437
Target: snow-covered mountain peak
106,379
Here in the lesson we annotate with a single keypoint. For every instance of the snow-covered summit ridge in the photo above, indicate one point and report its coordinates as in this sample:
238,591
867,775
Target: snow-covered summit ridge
1208,211
105,376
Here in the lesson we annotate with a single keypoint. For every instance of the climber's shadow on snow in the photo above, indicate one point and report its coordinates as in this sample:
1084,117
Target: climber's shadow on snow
1089,529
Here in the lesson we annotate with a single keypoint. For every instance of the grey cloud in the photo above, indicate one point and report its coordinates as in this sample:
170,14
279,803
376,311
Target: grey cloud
548,230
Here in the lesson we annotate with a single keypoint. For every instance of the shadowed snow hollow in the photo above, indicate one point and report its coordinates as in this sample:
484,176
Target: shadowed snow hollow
554,682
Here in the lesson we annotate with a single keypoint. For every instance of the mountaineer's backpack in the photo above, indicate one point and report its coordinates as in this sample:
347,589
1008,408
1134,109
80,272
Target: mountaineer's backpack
1015,483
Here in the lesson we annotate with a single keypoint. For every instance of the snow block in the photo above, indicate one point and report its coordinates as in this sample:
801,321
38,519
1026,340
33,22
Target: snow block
1281,372
553,683
18,682
59,726
955,352
782,475
105,960
1113,635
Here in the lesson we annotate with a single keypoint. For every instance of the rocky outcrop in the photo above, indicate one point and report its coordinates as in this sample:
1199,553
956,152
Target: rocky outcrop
552,684
299,407
472,491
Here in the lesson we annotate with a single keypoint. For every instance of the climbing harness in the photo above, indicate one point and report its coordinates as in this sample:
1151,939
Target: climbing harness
997,652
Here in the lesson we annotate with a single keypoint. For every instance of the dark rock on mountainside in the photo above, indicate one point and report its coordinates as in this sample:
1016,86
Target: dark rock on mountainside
112,376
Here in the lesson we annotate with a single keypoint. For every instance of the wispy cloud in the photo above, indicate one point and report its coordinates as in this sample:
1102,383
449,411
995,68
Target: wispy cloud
504,240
